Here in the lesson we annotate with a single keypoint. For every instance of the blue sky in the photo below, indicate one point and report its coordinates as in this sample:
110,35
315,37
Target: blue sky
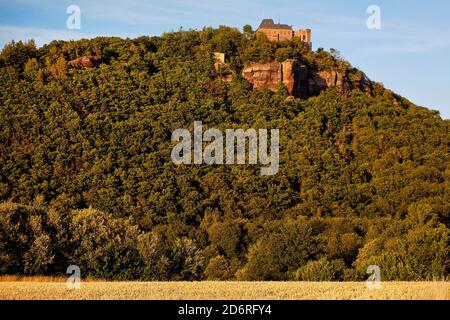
410,54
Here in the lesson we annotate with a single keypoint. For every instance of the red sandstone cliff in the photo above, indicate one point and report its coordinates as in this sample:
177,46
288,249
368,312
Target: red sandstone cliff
85,62
300,81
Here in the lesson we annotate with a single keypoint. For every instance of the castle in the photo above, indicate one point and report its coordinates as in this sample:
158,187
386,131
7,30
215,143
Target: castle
280,32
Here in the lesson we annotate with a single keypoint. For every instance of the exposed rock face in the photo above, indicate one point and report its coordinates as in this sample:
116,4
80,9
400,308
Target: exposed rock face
267,75
264,75
299,80
345,82
295,77
85,62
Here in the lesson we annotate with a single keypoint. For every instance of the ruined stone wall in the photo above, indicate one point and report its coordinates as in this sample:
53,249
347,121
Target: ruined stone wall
305,36
287,34
277,34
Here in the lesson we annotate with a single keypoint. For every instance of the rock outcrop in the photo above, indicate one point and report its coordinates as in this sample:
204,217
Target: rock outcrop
264,75
85,62
300,81
344,82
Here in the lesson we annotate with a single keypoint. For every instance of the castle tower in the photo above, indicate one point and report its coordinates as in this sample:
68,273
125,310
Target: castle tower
305,36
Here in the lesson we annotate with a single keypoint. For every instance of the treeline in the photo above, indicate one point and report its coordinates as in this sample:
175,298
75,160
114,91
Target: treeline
86,176
36,240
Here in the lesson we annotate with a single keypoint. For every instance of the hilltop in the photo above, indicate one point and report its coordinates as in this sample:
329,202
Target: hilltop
86,176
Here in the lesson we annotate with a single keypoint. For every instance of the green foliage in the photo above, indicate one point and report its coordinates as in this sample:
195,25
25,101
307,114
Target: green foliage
104,246
28,240
188,260
413,249
153,251
17,54
248,32
321,270
229,238
278,253
86,176
282,54
218,269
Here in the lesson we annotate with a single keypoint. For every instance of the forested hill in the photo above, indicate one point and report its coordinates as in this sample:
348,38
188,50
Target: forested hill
86,176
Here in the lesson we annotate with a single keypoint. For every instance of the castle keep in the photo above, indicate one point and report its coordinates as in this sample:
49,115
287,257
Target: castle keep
280,32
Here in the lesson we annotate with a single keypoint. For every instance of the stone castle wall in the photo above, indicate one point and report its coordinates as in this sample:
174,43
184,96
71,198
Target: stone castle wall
278,34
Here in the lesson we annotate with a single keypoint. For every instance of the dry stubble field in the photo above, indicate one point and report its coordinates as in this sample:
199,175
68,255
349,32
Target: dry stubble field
56,289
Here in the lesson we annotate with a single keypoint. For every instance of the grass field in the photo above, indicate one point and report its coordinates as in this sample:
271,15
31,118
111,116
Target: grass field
43,288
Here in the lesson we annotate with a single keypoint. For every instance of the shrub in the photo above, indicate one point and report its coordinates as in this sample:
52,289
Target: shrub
26,240
408,252
321,270
276,255
188,261
104,247
218,269
153,252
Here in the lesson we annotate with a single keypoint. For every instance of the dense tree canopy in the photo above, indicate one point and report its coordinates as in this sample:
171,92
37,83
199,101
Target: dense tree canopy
86,176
